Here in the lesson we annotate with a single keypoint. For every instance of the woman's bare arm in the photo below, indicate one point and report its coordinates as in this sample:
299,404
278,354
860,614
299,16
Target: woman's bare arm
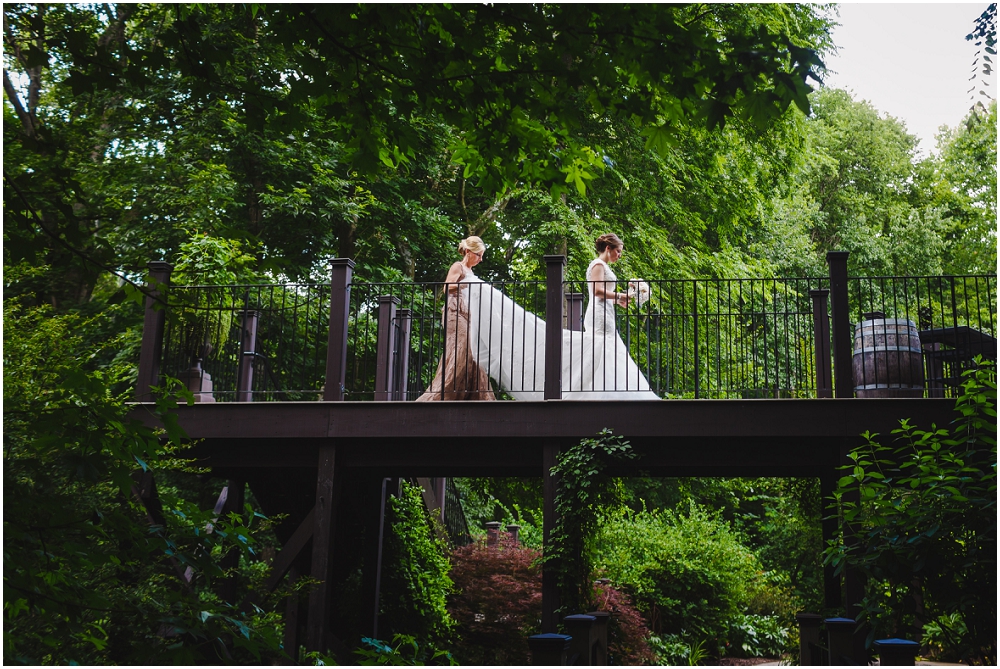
605,289
455,275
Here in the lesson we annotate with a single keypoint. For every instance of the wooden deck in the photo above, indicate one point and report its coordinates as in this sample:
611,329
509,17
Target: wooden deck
782,437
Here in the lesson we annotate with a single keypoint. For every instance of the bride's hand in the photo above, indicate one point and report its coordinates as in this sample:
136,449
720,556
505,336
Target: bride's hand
622,299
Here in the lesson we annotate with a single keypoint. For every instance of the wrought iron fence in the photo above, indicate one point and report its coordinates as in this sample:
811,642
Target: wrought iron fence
248,343
917,334
698,338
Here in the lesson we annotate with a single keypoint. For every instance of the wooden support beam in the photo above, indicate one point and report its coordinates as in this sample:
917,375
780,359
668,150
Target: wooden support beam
832,596
234,504
550,586
144,490
291,640
321,598
286,557
371,586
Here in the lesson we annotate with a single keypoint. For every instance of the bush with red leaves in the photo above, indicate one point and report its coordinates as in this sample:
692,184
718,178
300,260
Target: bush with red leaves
627,630
497,601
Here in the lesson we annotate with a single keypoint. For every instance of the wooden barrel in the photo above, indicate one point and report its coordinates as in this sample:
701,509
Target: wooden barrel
888,361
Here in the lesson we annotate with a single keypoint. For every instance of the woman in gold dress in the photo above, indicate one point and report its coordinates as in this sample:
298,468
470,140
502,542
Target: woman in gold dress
458,376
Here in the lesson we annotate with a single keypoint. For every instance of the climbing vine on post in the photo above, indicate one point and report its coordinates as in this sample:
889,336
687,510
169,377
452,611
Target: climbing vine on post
584,490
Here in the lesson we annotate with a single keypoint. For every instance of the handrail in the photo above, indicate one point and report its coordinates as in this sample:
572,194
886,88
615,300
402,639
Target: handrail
695,337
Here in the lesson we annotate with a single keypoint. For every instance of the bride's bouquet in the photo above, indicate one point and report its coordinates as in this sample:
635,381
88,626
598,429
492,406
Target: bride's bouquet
638,292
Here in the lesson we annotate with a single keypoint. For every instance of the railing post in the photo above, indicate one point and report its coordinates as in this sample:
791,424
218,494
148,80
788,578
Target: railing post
600,637
843,377
248,346
580,627
821,339
151,351
405,320
809,648
897,652
553,326
341,272
840,640
385,351
574,311
492,533
548,650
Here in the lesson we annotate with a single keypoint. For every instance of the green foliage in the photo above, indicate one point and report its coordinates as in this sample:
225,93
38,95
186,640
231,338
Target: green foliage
761,636
584,491
90,574
415,582
404,651
510,501
689,573
920,524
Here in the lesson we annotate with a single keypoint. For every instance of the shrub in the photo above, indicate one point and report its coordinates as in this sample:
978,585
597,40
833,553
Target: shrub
497,602
628,633
754,635
921,525
690,574
415,582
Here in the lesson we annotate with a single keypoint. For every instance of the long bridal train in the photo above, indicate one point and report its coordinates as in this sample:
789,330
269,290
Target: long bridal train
509,343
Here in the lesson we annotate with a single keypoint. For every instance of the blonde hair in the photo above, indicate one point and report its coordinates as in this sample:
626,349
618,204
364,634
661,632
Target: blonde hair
474,244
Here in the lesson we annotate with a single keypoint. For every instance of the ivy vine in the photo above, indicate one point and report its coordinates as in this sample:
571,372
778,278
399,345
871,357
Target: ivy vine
584,491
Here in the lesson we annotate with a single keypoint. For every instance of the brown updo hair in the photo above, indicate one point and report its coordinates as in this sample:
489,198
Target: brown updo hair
609,240
474,244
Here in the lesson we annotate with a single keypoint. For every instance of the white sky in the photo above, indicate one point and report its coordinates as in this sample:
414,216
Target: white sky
910,61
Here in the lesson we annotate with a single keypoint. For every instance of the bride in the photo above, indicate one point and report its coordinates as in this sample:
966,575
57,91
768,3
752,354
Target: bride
509,343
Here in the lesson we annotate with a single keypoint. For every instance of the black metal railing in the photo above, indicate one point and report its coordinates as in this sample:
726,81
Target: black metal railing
692,338
254,343
919,333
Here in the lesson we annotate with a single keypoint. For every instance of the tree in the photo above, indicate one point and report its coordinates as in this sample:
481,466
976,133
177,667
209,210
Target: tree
920,524
964,188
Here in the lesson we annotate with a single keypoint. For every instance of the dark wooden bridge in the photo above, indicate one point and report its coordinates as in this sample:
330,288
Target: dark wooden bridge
325,463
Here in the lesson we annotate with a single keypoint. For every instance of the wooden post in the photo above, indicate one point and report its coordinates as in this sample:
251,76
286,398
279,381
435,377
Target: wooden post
385,349
248,345
854,584
897,652
553,326
291,641
809,648
405,319
341,271
550,587
843,376
372,575
599,635
821,337
233,504
151,350
321,598
574,311
580,627
832,596
549,650
840,640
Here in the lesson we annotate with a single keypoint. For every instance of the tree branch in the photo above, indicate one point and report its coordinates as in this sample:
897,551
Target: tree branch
27,123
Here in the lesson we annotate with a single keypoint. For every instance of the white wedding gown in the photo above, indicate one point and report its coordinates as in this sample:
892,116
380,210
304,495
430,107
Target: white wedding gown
509,343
